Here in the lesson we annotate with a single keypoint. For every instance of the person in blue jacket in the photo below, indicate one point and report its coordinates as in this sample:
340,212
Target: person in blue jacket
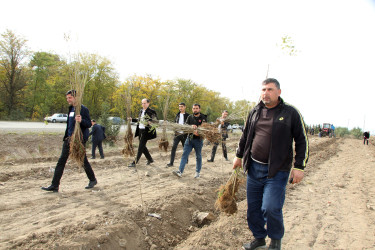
97,136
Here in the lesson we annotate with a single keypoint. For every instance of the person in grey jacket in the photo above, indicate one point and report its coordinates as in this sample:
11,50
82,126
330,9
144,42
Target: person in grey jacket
97,136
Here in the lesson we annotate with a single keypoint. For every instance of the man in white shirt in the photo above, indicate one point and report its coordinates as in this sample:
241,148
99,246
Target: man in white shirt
179,135
144,131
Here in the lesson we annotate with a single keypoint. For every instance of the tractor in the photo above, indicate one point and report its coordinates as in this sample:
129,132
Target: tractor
326,130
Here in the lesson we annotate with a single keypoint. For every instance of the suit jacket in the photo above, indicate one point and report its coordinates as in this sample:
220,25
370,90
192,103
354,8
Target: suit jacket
97,133
151,116
85,123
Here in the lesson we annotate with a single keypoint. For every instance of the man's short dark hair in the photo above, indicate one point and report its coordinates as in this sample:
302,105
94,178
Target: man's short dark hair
271,80
225,111
72,92
196,104
182,103
93,120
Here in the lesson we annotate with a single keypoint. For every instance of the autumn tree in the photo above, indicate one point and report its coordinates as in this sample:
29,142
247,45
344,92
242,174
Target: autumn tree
102,84
40,89
13,51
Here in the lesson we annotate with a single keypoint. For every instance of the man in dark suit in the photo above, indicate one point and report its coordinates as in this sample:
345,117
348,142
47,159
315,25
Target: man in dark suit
85,123
97,133
145,131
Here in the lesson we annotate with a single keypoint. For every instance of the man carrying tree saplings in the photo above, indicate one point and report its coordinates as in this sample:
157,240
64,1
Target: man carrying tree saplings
85,123
267,152
144,131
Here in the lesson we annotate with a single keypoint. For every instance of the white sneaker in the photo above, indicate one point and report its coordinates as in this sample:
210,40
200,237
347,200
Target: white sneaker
177,173
197,175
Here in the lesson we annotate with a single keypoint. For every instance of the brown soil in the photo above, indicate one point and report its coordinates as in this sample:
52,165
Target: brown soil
333,208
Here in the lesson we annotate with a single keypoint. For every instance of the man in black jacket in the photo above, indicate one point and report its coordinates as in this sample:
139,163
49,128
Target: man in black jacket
85,123
193,140
97,137
266,147
145,131
179,136
223,128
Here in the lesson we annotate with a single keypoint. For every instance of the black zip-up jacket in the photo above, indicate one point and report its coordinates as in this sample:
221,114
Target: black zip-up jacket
287,125
196,120
177,119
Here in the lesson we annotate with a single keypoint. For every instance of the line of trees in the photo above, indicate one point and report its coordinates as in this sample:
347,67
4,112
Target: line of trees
33,85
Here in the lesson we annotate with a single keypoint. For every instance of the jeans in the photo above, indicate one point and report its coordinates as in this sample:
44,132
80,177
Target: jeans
265,200
176,140
100,146
197,144
59,170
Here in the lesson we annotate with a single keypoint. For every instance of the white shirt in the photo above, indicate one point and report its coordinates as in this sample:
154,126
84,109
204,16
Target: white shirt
141,121
181,120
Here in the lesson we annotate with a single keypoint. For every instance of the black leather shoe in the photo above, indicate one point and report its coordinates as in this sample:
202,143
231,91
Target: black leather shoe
51,188
209,160
275,245
102,157
131,165
169,165
255,244
149,162
91,184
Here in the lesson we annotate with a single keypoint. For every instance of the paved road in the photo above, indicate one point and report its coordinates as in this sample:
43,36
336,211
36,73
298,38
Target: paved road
26,127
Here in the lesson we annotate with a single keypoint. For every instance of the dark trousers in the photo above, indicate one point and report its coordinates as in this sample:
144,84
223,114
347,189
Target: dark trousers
365,140
176,140
142,149
100,146
223,145
59,170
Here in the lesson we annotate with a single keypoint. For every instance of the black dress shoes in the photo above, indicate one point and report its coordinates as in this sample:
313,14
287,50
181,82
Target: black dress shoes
209,160
132,165
91,184
51,188
149,162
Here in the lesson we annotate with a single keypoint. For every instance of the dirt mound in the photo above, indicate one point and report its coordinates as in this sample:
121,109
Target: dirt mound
143,208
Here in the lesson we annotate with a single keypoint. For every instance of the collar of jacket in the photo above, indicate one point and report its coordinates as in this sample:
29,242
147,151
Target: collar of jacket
261,104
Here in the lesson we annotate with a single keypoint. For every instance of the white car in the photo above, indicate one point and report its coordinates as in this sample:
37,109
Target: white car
57,118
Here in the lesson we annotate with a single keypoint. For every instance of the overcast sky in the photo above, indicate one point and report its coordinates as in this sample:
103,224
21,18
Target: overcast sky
225,46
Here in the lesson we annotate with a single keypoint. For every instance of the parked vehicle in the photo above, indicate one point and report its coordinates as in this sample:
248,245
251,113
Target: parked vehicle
115,120
57,118
235,126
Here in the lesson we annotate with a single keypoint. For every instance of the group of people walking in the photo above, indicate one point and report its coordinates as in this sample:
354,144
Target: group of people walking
265,152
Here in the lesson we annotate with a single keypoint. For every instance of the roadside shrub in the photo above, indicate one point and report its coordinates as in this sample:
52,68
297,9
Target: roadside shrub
17,115
111,130
342,132
357,133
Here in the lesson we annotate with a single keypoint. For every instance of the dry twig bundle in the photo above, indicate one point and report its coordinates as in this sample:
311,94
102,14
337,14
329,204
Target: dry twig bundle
226,201
80,78
163,142
128,138
210,132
